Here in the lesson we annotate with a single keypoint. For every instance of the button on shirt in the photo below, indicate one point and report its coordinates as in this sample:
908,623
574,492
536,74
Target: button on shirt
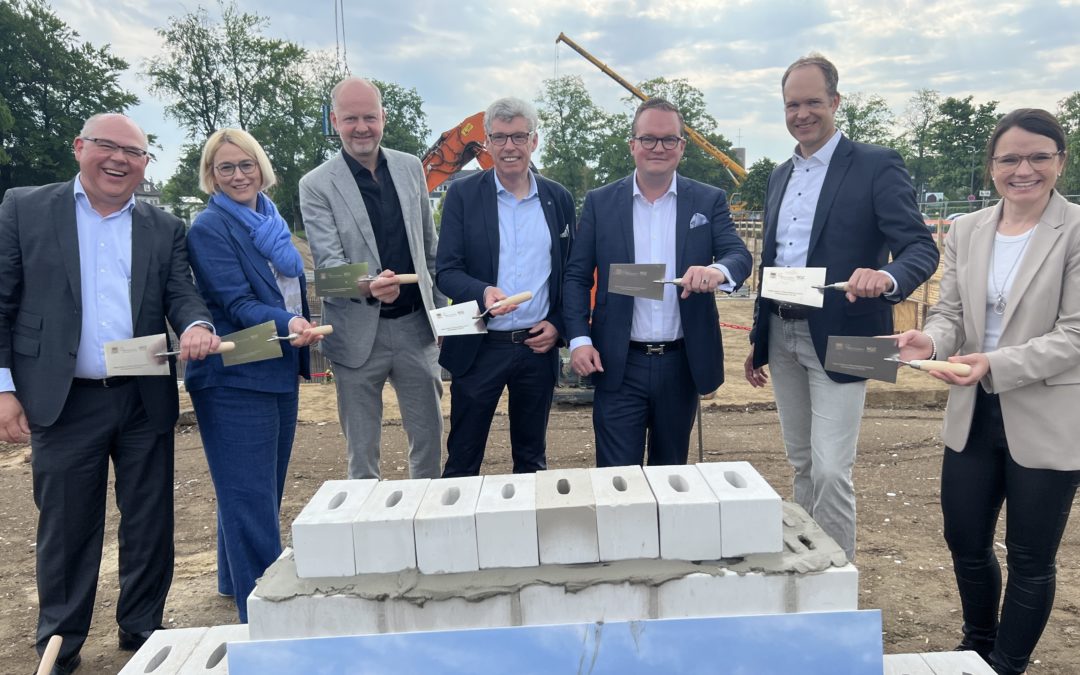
796,215
524,256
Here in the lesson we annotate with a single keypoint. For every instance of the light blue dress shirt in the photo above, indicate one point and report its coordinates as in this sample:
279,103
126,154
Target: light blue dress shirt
524,256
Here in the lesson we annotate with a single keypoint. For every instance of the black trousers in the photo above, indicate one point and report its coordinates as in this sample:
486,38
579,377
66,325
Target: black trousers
474,395
70,462
974,483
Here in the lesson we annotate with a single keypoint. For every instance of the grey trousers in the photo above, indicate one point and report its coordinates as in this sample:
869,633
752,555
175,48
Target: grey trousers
819,419
405,353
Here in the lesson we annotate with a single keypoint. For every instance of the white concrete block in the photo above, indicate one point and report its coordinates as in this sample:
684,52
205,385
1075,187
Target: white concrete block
323,532
751,513
907,664
730,594
834,590
451,614
541,604
312,616
165,652
626,516
968,663
689,513
210,656
445,526
506,522
566,517
383,539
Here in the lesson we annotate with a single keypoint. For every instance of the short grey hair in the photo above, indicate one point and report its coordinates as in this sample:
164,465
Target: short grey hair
352,79
506,109
92,121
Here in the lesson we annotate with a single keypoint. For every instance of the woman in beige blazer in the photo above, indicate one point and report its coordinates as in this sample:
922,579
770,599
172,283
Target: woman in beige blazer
1010,308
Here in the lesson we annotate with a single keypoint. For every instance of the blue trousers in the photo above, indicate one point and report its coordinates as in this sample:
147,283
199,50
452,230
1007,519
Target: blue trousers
247,437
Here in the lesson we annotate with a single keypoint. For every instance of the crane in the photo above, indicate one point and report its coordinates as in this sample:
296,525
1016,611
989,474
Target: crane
455,148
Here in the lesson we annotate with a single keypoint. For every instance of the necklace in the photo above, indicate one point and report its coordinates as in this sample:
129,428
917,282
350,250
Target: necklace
999,304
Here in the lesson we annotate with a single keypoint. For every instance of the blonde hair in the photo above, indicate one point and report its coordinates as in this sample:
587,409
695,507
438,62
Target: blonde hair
247,143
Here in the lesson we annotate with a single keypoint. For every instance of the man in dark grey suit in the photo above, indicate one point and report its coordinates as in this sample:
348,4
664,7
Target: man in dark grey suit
370,204
82,263
846,207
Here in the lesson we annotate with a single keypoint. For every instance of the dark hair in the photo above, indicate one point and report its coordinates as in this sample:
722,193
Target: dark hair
656,103
1034,120
832,78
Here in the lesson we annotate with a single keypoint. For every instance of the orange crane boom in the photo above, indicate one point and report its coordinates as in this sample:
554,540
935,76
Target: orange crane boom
455,148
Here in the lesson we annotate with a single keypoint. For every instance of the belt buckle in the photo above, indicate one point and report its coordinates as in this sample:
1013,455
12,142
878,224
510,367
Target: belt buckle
105,383
658,350
519,336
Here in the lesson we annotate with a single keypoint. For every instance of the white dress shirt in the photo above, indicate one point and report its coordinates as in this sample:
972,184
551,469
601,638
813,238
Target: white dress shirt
524,256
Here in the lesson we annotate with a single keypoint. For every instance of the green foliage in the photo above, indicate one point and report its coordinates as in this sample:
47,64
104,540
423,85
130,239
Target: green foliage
574,131
1069,115
184,182
752,191
959,136
50,83
406,122
865,118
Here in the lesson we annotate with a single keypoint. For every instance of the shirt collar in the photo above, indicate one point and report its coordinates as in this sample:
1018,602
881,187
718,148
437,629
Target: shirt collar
500,189
82,198
824,153
671,190
355,167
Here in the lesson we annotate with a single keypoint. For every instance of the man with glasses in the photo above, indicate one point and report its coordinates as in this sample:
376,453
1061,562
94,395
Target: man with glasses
504,231
370,204
650,359
81,264
846,207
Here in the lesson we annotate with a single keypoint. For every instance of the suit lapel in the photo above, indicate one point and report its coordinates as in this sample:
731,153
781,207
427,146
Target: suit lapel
683,205
774,197
345,184
141,246
978,255
1042,240
410,209
838,167
489,209
624,201
67,235
547,203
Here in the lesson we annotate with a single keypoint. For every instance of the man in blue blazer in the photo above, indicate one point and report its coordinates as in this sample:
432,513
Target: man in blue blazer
504,231
846,207
651,358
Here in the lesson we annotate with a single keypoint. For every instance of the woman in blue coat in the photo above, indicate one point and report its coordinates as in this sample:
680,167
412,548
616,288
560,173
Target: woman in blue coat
249,272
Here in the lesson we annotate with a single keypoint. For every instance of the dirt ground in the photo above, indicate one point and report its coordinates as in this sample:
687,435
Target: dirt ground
903,563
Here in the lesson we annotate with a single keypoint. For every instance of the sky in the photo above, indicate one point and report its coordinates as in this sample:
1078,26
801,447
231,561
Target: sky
461,55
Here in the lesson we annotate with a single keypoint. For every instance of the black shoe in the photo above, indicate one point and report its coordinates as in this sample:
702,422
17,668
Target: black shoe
130,642
968,646
66,666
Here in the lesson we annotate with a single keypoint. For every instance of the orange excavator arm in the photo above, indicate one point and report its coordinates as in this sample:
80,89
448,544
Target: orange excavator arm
454,149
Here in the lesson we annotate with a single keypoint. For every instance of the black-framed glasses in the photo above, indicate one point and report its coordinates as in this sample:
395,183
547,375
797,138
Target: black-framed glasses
668,142
227,169
109,147
520,138
1037,160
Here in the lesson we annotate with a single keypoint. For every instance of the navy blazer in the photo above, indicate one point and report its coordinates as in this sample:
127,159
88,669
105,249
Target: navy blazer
866,211
606,235
468,257
241,292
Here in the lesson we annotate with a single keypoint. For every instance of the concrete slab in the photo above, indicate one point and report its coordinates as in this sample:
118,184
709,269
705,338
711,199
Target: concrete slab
566,517
542,604
968,663
751,512
689,513
506,522
626,514
383,539
210,656
314,615
832,590
906,664
698,595
445,526
452,614
323,532
165,652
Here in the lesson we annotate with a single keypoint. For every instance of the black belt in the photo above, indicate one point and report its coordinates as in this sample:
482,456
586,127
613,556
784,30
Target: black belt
657,348
790,312
398,311
514,336
107,383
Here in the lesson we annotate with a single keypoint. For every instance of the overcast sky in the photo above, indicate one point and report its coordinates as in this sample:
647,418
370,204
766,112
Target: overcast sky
462,54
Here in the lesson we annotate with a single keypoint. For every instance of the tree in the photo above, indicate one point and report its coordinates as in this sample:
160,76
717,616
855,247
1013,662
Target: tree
752,191
50,83
406,122
865,118
184,182
959,135
919,117
1069,116
573,129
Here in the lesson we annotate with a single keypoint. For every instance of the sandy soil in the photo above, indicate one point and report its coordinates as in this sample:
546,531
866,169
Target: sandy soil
904,565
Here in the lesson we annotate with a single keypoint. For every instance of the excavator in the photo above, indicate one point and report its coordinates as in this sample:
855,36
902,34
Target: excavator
454,149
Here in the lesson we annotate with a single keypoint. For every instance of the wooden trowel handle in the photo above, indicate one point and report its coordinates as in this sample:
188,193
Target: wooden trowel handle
961,369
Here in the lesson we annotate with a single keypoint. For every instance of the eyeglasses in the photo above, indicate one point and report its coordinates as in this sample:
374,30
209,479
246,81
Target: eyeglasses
247,167
518,138
108,147
668,142
1036,160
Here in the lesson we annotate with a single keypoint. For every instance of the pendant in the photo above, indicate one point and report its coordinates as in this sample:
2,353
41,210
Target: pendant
999,306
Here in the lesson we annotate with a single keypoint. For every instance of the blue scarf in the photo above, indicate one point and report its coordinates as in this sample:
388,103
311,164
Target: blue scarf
268,231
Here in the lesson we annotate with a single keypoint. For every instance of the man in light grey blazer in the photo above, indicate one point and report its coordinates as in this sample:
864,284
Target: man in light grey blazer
370,204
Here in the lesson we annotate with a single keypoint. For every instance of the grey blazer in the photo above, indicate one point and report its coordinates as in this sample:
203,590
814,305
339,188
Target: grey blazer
1036,367
339,232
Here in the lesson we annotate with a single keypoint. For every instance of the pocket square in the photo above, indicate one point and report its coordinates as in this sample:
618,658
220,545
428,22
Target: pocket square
565,232
697,220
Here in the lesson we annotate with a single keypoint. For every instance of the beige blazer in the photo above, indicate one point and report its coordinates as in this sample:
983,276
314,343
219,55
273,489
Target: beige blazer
339,232
1036,367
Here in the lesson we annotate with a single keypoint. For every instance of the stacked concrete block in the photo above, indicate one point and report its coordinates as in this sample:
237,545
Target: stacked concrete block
403,616
314,615
751,513
210,656
383,538
165,652
566,517
727,593
323,532
542,604
506,522
626,516
689,513
445,526
832,590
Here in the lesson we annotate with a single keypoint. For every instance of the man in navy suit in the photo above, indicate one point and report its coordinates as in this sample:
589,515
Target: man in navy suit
651,358
846,207
504,231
